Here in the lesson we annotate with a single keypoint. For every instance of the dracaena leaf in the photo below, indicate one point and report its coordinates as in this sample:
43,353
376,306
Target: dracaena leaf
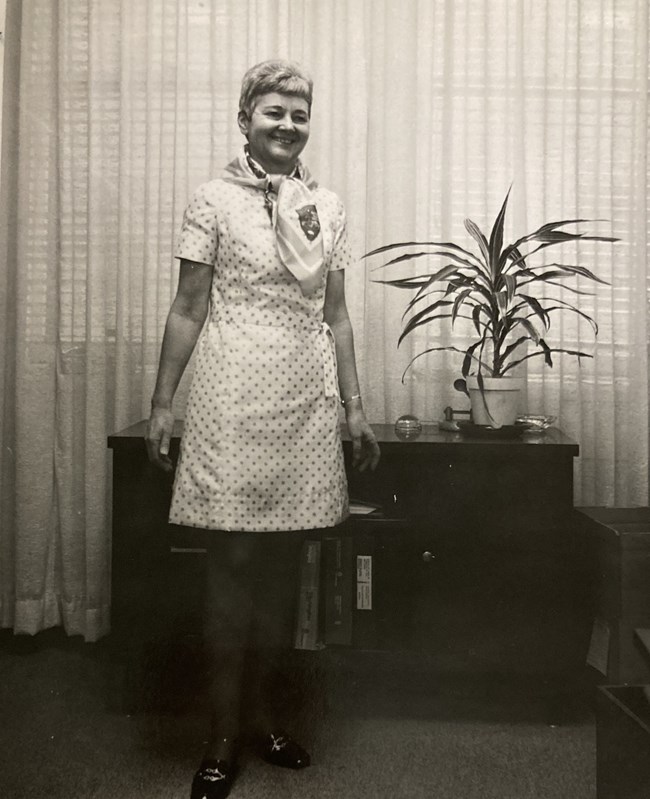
563,223
522,257
579,270
476,233
444,273
448,348
579,355
610,239
412,324
547,352
567,287
514,255
457,259
511,286
426,289
496,235
426,321
469,355
420,296
566,306
549,227
461,281
406,282
502,302
462,297
476,318
556,236
408,256
537,308
529,327
512,347
543,277
430,309
473,287
448,245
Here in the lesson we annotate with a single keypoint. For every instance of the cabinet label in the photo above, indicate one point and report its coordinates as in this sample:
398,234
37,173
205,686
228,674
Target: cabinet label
364,582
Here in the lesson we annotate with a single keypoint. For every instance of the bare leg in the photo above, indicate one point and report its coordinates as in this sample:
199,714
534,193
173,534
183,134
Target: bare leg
229,606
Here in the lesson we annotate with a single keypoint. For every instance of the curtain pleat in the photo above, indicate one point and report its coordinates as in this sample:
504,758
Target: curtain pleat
425,113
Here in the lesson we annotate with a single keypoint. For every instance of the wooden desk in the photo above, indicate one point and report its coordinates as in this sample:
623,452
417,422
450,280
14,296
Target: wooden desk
487,573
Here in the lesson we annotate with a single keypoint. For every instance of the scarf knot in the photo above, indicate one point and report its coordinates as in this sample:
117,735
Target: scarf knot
293,213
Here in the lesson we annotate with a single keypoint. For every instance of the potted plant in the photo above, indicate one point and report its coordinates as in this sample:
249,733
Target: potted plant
493,287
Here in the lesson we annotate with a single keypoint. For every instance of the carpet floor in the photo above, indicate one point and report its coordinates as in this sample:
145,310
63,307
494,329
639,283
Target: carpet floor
376,731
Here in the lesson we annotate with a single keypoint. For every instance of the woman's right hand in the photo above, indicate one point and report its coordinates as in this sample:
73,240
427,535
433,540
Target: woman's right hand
158,437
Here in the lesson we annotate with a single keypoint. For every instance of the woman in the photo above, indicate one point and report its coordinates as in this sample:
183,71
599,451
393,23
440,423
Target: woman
262,255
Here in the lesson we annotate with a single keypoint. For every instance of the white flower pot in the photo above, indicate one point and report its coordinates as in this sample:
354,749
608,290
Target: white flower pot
498,404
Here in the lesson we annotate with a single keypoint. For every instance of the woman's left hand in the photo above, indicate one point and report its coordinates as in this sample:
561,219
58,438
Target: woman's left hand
365,449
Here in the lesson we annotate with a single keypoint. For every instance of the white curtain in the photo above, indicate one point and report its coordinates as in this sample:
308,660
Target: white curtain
425,112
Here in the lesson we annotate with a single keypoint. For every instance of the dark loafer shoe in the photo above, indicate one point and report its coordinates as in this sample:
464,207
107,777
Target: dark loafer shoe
281,750
213,780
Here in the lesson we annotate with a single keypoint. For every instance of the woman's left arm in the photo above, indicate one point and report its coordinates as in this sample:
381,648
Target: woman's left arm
365,449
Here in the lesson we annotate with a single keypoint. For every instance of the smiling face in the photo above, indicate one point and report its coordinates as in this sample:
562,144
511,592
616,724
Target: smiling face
277,131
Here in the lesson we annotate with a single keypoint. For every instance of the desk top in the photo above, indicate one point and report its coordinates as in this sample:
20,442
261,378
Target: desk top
551,441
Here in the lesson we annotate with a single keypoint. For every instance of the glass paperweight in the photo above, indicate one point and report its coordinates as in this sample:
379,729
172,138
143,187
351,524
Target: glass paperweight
408,427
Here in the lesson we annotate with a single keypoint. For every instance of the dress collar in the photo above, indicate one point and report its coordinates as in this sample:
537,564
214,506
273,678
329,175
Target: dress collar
258,170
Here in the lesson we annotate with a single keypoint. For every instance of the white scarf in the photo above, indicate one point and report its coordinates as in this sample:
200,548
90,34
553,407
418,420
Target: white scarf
298,235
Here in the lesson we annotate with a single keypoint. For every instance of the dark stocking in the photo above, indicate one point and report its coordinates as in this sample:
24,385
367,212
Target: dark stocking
274,605
229,607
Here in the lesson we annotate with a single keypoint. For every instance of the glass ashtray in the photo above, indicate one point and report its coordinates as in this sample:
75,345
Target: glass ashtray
535,423
408,427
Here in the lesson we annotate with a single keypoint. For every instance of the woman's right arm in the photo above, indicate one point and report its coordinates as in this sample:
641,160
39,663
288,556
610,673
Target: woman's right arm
184,324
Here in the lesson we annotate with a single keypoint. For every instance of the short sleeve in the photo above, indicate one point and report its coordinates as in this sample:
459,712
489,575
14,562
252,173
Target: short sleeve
198,238
341,256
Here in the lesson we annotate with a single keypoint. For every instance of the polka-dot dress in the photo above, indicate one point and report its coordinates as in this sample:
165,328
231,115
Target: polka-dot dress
261,449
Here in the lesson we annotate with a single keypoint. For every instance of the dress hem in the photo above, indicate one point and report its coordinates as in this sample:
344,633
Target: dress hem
260,529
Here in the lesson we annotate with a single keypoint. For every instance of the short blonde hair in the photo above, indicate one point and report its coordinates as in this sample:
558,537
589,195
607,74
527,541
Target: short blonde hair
284,77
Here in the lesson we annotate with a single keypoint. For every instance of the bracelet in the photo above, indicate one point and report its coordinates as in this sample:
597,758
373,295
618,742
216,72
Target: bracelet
344,402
